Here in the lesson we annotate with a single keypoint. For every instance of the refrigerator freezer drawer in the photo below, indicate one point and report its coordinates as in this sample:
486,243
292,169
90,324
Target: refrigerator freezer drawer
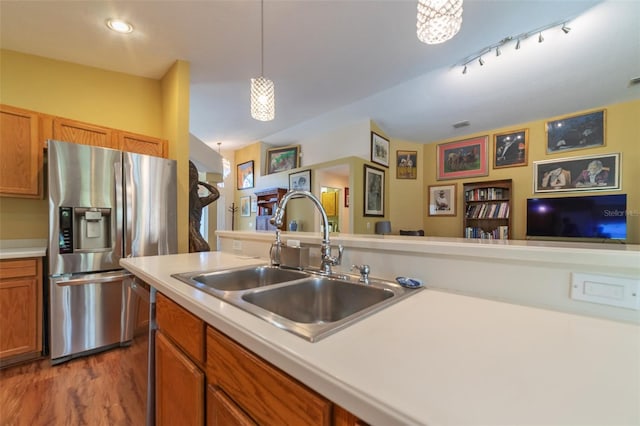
87,313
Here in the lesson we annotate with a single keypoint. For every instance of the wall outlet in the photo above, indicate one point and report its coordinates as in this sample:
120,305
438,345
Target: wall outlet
237,245
606,290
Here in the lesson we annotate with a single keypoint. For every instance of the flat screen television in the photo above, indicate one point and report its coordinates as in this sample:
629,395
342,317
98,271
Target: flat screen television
594,217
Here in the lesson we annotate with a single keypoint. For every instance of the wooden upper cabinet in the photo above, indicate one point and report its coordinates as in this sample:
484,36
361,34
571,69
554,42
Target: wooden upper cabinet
20,153
83,133
141,144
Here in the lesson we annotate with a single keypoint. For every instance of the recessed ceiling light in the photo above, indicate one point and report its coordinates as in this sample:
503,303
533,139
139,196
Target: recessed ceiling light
119,26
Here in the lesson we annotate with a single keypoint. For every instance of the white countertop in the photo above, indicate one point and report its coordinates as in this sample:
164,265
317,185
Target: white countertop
439,358
16,249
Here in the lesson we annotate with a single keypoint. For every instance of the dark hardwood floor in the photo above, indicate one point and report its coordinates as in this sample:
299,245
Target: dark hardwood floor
101,389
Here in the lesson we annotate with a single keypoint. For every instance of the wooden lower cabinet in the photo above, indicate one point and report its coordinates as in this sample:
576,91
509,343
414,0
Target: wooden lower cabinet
20,310
179,386
241,388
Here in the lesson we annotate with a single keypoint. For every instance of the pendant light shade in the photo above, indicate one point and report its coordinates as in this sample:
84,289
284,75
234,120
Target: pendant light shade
263,104
262,99
438,20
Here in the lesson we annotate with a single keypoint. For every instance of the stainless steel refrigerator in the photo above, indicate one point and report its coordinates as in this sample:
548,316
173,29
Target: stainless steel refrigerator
104,204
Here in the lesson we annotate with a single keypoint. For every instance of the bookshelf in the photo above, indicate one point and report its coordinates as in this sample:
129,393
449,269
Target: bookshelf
267,202
487,209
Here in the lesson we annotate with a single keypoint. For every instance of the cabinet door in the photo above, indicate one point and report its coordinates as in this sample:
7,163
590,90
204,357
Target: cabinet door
20,154
20,308
179,386
222,411
267,394
140,144
83,133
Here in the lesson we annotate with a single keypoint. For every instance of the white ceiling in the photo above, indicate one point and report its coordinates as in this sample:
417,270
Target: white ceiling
334,62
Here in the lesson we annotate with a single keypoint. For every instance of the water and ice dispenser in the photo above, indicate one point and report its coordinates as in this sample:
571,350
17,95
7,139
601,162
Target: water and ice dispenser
84,229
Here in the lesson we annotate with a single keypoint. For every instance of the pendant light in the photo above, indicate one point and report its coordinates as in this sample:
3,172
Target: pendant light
438,20
262,89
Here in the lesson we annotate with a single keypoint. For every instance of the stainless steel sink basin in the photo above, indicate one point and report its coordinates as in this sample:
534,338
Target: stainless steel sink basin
318,300
240,279
305,303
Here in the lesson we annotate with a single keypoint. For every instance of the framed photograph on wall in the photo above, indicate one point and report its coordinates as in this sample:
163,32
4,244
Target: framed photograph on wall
300,181
406,164
379,150
281,159
463,159
245,206
328,201
576,132
586,173
442,200
373,191
245,175
346,197
510,148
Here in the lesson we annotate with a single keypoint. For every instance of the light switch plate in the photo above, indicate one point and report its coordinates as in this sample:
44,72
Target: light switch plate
237,245
606,290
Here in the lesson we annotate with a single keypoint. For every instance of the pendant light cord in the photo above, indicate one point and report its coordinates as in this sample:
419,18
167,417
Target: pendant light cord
261,38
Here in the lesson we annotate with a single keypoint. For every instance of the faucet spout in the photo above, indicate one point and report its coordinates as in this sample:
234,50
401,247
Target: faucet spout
325,248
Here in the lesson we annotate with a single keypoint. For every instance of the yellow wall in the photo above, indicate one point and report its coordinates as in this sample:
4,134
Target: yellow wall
406,196
116,100
622,135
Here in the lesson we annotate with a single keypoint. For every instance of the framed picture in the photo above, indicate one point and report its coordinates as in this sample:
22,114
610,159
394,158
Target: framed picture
379,150
373,191
587,173
254,204
463,159
245,206
442,200
300,181
245,175
281,159
510,149
328,200
406,164
346,197
576,132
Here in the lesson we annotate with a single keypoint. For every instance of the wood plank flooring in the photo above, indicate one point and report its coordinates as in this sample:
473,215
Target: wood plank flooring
102,389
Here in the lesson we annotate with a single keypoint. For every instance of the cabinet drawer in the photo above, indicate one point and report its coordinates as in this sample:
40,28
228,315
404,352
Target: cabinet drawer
267,394
18,268
182,326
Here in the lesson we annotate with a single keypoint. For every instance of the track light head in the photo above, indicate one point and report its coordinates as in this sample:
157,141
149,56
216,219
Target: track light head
565,29
480,61
498,52
518,44
540,38
464,70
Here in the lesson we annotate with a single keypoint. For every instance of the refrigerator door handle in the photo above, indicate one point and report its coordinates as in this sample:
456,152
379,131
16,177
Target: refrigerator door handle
100,278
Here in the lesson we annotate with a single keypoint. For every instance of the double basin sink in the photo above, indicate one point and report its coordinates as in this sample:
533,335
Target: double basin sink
305,303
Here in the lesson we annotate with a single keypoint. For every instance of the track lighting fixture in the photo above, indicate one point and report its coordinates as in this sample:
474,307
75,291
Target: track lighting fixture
519,38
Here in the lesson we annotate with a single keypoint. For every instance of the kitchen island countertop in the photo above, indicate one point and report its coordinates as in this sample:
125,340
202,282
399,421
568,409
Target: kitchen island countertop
438,358
17,249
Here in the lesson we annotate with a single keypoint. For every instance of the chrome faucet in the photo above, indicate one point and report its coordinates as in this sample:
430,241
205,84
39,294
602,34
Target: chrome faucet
325,249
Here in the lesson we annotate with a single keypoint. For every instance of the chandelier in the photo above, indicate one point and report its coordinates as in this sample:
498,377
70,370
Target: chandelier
438,20
262,89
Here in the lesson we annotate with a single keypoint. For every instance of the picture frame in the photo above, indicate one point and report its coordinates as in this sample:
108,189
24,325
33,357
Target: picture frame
254,204
406,164
283,158
586,173
442,200
328,201
245,175
379,150
245,206
462,159
510,149
300,181
347,201
373,191
576,132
